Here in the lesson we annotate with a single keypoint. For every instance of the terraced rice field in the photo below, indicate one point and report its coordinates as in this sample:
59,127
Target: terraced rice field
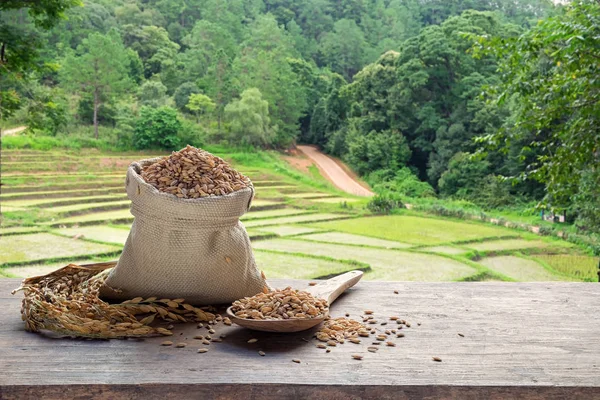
415,230
347,238
73,208
579,266
509,244
277,265
39,246
385,264
519,269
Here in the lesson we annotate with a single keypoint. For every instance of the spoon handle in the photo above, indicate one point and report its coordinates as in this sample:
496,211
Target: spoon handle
332,288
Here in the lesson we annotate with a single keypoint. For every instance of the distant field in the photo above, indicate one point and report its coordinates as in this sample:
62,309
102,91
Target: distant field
300,226
415,230
511,244
297,267
582,267
40,246
385,264
347,238
519,269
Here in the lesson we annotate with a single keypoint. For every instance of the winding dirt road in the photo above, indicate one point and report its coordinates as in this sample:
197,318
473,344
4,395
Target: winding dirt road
334,173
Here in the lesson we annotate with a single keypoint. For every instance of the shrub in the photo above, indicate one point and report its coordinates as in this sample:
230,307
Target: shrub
157,128
384,203
403,182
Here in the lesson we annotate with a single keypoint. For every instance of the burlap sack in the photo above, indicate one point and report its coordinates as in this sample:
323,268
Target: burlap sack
196,249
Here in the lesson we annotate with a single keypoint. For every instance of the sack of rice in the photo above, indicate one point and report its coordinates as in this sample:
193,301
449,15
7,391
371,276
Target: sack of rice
186,240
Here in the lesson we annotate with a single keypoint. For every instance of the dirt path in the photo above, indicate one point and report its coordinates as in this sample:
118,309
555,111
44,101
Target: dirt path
334,172
13,131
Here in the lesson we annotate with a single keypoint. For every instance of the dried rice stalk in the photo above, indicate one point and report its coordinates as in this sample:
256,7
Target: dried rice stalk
66,302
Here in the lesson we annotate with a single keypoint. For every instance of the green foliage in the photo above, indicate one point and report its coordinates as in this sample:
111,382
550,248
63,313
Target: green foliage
19,45
152,94
182,94
343,49
551,74
390,86
44,13
463,176
99,70
586,203
384,203
85,111
200,104
249,121
376,150
265,65
402,182
47,111
157,128
153,45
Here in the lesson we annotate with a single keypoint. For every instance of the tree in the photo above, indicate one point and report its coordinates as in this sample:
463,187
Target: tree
157,128
249,122
20,43
153,45
264,64
463,177
343,50
200,104
153,94
99,70
182,94
551,74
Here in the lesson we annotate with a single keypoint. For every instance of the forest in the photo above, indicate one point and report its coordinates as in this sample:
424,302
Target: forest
490,102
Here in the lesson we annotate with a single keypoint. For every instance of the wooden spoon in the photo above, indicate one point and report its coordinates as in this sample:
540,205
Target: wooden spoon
328,290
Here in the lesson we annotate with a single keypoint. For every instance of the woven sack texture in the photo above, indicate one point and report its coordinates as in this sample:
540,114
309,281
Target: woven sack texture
196,249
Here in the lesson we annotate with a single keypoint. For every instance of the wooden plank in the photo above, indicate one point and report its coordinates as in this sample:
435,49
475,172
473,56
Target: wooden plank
526,340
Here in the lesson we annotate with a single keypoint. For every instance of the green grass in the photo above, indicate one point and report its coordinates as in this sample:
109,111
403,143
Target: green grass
309,195
509,244
348,238
97,218
261,204
64,193
287,230
293,220
289,266
283,212
44,268
86,208
62,201
19,230
391,265
98,233
338,200
576,266
40,246
59,186
444,250
520,269
414,230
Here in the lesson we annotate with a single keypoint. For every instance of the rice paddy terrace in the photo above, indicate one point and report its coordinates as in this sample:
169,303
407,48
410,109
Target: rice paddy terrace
59,208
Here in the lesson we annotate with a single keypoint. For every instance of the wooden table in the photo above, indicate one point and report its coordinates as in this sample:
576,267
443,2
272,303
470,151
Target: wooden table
526,340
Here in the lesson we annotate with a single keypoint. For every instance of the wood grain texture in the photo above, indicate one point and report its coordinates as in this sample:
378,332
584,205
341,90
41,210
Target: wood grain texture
526,340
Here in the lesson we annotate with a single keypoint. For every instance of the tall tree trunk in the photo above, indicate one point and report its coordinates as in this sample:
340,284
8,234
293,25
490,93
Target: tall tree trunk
96,114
